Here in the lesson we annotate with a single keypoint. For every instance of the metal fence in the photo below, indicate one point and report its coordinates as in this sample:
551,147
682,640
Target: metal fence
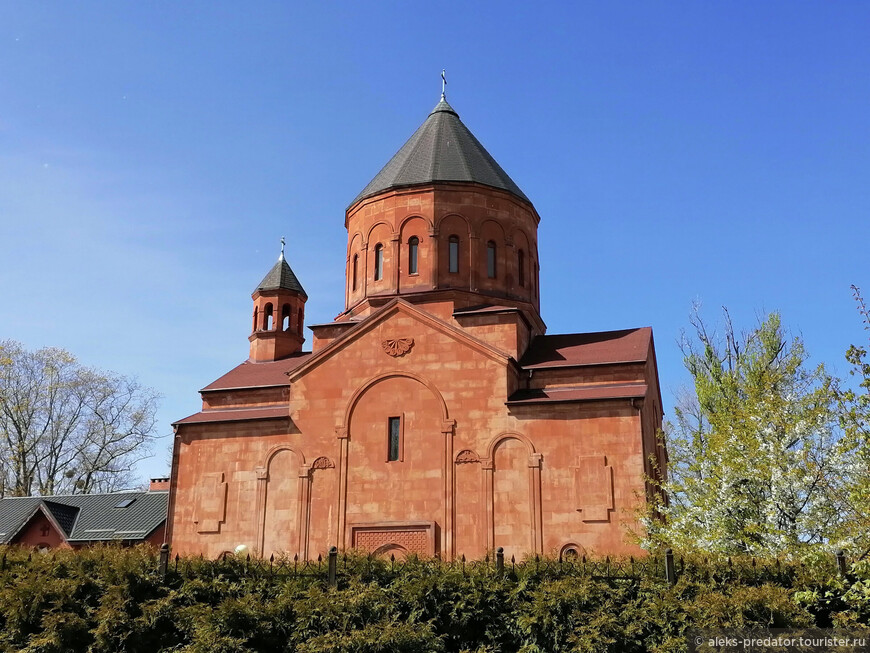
335,566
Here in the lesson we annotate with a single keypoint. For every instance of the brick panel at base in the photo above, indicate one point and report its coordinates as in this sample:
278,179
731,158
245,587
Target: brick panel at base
410,538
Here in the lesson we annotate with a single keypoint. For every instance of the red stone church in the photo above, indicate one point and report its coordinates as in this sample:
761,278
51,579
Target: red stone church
434,415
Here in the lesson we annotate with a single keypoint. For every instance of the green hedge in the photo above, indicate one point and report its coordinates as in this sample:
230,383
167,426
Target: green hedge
107,599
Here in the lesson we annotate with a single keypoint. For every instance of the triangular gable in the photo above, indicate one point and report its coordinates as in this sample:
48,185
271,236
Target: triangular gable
41,509
387,311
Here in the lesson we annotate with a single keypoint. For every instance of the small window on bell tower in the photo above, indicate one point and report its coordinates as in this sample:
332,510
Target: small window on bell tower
490,259
453,254
379,262
413,247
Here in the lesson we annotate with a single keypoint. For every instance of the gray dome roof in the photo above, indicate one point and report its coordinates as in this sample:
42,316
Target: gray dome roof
442,149
281,277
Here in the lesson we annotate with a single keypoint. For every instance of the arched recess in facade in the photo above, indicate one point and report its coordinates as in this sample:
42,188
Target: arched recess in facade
343,433
302,498
534,476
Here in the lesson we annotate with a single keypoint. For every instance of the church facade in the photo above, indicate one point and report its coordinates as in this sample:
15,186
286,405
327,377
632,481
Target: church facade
434,415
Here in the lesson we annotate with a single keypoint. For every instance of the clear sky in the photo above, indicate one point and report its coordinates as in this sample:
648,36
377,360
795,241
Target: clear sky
153,154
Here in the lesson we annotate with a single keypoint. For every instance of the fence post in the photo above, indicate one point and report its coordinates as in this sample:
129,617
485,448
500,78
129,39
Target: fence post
670,570
333,559
499,560
164,559
841,563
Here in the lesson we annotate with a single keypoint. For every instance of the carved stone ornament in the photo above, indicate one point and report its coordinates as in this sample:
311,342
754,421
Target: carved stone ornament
322,463
467,456
397,346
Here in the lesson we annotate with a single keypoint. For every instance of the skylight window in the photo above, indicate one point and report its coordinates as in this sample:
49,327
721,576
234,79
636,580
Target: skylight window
125,503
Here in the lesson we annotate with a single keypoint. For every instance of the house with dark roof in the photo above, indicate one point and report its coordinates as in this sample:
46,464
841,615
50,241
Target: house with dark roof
434,415
73,521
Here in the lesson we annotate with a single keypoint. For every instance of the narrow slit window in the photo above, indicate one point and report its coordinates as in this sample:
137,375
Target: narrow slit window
355,263
453,254
413,246
490,260
379,262
521,262
394,429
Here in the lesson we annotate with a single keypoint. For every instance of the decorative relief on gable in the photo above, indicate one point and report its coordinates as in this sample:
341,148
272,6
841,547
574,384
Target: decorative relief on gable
467,456
322,463
211,503
593,484
397,346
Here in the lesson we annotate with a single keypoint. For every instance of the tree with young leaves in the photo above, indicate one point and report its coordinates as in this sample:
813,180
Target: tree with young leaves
66,428
754,465
854,415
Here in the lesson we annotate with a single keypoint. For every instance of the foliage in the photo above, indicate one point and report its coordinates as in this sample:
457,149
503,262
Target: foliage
112,599
754,465
854,412
66,428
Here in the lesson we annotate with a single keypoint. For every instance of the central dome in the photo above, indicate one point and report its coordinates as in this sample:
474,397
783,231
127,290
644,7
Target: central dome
442,149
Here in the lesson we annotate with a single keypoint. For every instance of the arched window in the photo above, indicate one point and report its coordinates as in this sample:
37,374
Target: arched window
521,262
256,314
299,321
453,254
355,262
285,317
268,318
379,262
413,246
490,259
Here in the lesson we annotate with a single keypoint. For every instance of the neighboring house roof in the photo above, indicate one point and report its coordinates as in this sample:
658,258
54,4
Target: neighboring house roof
89,517
442,149
281,277
258,375
578,349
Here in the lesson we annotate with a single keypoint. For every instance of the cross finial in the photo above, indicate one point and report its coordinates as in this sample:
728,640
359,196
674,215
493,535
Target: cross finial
443,84
281,258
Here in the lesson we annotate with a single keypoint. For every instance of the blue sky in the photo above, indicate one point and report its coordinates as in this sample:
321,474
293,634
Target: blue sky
153,154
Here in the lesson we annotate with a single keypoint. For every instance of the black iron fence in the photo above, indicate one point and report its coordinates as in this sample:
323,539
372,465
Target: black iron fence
335,566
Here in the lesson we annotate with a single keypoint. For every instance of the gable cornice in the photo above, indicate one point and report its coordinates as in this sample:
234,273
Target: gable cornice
398,305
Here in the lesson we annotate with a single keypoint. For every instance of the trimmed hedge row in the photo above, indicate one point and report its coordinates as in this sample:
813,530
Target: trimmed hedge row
108,599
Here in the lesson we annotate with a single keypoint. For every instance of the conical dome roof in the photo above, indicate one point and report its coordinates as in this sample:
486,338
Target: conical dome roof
442,149
281,277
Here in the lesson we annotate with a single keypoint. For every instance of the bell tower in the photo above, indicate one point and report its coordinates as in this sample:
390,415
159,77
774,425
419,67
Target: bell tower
279,314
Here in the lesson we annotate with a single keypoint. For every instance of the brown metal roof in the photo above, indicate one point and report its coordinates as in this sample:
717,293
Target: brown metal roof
258,375
577,349
236,415
582,393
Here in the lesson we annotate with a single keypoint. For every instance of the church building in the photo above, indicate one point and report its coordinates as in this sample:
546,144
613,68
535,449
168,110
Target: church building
434,415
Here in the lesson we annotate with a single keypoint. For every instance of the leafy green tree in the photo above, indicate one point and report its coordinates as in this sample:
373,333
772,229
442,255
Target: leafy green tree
66,428
854,407
754,464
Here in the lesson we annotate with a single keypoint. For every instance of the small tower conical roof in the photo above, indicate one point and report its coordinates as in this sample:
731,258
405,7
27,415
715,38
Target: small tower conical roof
281,277
442,149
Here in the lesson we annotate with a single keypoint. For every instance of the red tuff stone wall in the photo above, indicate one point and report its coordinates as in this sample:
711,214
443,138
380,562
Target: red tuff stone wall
530,478
475,214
